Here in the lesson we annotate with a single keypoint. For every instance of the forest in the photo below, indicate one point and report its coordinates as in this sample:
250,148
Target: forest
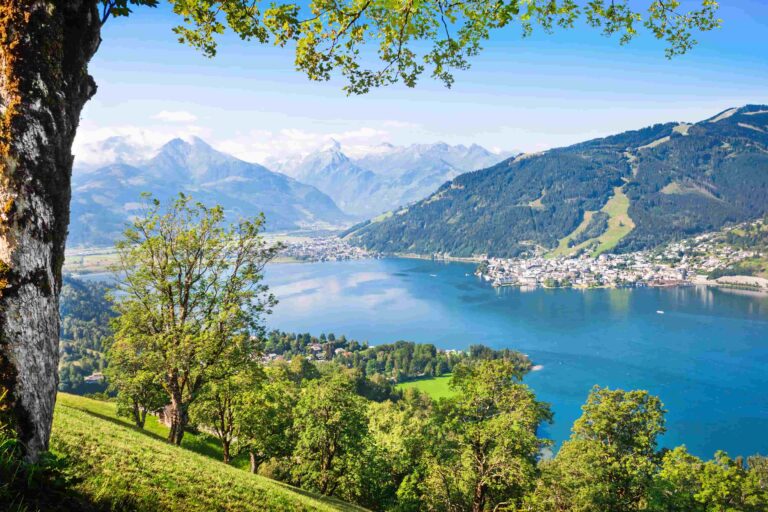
398,361
85,315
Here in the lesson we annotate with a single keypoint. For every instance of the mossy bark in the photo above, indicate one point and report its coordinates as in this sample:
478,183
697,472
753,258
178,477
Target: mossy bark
45,47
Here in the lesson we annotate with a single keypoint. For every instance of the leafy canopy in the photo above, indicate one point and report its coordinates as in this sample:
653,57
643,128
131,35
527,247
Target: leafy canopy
609,463
486,445
191,298
410,37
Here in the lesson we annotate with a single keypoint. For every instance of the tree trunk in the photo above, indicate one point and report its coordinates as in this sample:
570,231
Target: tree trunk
254,462
178,418
139,414
44,83
225,450
478,499
136,414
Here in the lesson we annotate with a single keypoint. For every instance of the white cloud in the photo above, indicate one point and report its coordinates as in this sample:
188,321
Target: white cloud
98,145
175,116
265,146
95,146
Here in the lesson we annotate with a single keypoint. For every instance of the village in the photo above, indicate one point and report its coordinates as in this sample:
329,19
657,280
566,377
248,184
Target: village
325,249
691,261
697,260
607,270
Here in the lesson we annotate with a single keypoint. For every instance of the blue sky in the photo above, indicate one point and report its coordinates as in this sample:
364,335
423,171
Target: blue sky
523,94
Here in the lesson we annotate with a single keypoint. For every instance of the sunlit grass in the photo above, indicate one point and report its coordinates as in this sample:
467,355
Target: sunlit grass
620,224
435,387
124,468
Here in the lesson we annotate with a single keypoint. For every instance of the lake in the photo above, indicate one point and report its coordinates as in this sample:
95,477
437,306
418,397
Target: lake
706,356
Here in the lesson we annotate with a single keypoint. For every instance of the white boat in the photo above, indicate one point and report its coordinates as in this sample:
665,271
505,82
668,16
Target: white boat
659,312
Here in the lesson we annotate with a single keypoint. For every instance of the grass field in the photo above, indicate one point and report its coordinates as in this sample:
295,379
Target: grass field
124,468
619,225
562,248
435,387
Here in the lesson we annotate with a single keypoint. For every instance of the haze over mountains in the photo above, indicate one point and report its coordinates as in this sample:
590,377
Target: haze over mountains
625,192
103,199
387,175
323,190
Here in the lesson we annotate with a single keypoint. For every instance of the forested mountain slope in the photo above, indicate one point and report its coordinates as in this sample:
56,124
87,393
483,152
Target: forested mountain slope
625,192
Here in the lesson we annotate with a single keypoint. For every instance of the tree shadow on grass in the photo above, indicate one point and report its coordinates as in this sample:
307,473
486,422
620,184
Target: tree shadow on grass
330,500
118,422
48,485
200,443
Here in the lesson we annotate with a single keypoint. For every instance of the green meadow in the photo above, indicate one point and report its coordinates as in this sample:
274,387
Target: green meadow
119,467
435,387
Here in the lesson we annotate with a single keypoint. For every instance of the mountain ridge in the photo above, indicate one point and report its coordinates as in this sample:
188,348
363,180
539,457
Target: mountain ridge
386,177
678,178
103,199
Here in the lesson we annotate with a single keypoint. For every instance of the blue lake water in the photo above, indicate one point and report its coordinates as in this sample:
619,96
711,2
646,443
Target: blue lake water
706,356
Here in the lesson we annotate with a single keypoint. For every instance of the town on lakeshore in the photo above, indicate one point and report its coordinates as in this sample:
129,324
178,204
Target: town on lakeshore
716,258
325,249
704,259
732,257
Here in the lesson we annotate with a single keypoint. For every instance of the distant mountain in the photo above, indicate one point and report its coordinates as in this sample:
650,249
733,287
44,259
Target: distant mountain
103,199
625,192
332,172
386,177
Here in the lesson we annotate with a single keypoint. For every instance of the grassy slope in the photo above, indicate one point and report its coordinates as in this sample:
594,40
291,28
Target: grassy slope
436,387
562,247
128,469
619,225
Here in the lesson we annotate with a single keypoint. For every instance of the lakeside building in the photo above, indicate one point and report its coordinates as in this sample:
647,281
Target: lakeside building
326,249
679,263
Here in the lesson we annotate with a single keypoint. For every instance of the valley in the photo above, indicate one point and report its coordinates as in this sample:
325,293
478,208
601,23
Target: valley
323,190
386,176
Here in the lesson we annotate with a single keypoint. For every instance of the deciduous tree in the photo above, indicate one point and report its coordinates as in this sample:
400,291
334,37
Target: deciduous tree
134,377
331,426
609,463
191,295
486,451
217,408
265,416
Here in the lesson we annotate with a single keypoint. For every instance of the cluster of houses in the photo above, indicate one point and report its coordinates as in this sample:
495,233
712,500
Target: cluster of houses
607,270
325,249
705,254
677,263
315,352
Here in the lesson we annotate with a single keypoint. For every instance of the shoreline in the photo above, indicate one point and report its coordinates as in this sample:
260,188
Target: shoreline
685,284
77,271
416,256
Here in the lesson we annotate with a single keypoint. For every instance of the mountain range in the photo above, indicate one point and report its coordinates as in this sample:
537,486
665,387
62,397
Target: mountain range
385,177
625,192
103,199
325,189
